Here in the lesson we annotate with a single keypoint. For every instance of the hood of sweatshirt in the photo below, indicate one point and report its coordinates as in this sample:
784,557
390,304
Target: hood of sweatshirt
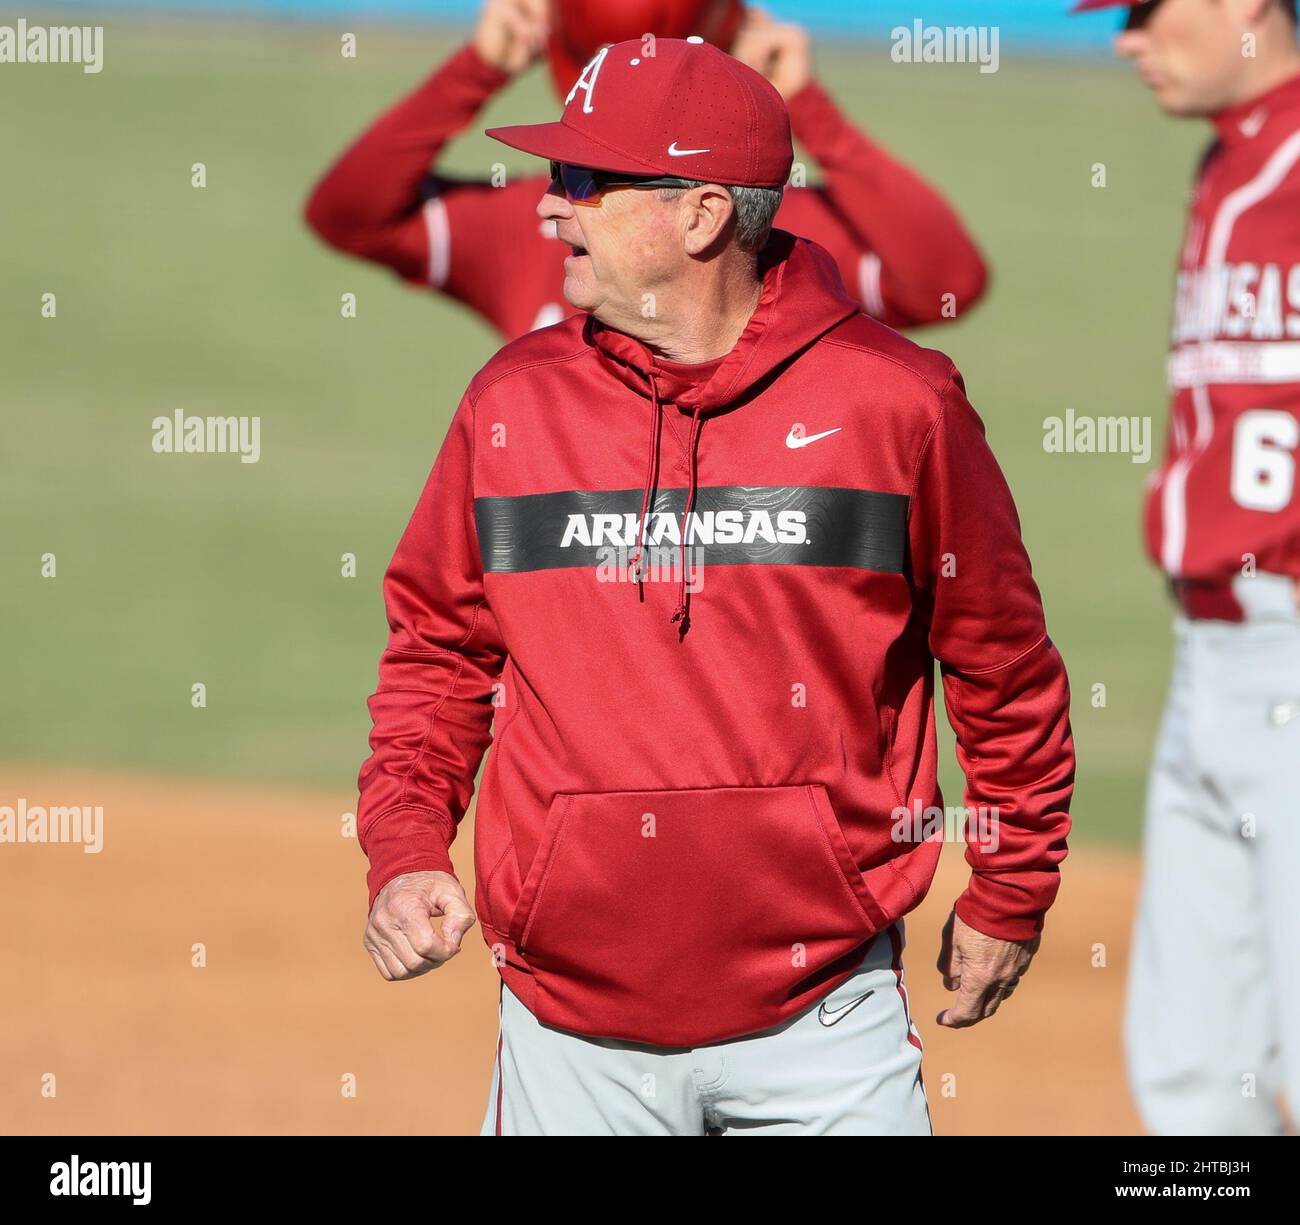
802,298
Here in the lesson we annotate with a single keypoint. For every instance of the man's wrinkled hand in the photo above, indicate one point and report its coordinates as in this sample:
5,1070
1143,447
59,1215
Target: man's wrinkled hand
982,970
417,924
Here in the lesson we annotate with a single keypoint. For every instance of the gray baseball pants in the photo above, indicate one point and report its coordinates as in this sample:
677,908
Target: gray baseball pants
850,1065
1213,1021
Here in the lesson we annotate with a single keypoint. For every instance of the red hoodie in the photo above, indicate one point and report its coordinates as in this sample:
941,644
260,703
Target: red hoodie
686,830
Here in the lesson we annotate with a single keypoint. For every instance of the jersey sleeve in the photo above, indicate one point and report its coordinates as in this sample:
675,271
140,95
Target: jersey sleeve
379,201
807,212
1004,682
495,248
432,710
901,247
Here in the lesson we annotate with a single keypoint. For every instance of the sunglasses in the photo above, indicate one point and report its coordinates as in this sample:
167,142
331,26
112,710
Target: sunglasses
1139,14
583,185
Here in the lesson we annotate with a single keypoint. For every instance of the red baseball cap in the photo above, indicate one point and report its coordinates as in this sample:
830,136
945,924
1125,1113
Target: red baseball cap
579,28
667,106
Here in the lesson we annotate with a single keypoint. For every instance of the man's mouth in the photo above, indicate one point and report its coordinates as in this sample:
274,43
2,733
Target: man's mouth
577,252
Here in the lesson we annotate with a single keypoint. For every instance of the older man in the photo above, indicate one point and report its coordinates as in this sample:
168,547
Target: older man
696,552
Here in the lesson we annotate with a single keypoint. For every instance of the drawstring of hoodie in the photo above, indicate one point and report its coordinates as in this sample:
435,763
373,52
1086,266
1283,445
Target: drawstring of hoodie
681,613
651,473
802,298
651,476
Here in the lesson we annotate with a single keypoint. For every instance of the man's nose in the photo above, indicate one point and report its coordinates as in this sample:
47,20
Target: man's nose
1128,43
554,204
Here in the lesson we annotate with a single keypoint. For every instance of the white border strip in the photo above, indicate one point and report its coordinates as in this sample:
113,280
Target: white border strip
869,284
1227,361
439,230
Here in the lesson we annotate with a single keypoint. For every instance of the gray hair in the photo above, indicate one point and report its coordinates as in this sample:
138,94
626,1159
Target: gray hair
755,209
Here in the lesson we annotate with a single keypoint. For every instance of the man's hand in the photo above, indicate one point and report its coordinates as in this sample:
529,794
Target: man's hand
779,50
511,34
400,936
983,970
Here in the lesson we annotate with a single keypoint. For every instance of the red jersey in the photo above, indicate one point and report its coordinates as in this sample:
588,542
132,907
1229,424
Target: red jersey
687,835
900,249
1225,495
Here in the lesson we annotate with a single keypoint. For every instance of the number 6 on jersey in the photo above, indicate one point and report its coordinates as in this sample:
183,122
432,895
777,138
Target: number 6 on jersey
1263,466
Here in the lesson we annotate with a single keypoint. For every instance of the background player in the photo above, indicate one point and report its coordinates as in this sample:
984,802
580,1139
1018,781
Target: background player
901,250
1214,992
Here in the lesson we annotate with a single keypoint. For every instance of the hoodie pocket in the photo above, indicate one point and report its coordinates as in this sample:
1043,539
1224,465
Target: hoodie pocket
683,917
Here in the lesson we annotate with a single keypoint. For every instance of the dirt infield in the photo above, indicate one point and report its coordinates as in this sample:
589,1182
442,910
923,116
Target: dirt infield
101,991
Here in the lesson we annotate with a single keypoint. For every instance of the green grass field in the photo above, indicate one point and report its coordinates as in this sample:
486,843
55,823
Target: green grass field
174,570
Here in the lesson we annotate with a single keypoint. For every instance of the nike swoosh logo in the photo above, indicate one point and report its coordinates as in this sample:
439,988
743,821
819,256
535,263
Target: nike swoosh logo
793,441
829,1017
674,151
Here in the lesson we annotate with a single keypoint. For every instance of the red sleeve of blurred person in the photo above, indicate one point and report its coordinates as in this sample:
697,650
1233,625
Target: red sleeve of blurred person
902,250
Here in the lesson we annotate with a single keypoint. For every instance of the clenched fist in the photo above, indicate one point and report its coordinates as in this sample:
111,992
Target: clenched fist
401,936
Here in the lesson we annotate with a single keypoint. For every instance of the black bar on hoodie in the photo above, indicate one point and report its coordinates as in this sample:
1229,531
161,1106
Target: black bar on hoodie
731,525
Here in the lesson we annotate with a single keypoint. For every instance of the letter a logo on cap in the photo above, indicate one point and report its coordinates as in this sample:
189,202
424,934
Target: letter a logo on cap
656,114
587,81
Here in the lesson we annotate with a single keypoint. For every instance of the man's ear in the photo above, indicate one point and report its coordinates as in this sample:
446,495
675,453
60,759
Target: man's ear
707,213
